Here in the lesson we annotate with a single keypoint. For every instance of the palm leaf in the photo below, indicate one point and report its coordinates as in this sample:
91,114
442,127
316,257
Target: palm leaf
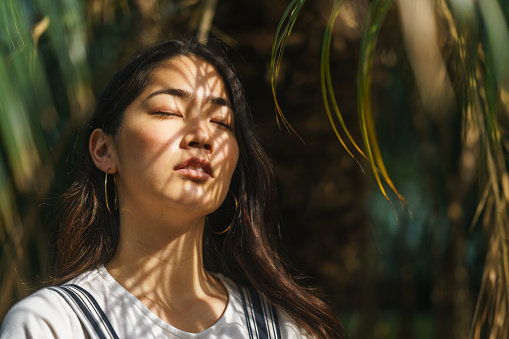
374,19
326,84
376,14
480,63
280,40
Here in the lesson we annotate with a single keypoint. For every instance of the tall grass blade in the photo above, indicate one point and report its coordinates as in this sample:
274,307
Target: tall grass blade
377,12
326,84
280,39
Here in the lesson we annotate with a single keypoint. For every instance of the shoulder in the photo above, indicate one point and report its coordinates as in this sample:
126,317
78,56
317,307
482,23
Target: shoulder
44,314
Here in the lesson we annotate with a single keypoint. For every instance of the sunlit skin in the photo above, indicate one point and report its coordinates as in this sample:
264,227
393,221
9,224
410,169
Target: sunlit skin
173,159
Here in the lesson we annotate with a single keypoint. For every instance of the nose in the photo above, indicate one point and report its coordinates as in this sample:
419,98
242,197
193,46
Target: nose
198,135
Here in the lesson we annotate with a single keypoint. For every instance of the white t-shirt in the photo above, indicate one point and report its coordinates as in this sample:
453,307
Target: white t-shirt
45,314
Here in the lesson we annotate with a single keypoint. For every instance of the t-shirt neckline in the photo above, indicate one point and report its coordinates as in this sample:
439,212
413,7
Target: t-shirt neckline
103,271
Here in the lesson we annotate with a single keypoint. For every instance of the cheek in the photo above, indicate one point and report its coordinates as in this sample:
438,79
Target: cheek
140,147
225,159
232,157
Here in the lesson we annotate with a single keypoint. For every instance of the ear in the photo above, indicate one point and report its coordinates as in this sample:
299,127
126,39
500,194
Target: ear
101,149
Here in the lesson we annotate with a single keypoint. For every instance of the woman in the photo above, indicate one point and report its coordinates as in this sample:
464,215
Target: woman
172,145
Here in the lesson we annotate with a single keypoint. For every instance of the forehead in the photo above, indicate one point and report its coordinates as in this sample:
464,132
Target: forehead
188,73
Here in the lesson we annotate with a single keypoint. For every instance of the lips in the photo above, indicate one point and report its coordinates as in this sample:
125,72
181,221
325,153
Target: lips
195,168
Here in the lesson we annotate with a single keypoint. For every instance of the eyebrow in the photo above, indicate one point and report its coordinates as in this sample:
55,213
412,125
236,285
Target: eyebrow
188,96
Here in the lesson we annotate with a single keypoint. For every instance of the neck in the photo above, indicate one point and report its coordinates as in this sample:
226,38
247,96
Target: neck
162,261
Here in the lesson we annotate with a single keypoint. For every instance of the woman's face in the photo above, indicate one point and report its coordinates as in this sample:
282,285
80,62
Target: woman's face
176,150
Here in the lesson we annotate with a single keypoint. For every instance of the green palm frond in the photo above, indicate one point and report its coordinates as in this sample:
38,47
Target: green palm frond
278,48
326,84
481,61
376,14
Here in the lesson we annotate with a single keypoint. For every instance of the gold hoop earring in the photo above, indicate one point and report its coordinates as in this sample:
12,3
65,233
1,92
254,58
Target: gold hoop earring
230,225
106,192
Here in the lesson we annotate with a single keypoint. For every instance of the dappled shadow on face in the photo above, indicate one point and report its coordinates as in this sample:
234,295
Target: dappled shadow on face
158,144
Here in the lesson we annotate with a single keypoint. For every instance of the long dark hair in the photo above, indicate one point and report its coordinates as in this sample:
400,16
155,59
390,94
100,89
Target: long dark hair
247,253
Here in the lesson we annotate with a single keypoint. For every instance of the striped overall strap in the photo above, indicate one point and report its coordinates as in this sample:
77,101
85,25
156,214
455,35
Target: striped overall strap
261,316
88,311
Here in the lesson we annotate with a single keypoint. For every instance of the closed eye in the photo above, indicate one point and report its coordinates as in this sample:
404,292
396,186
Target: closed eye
223,123
167,114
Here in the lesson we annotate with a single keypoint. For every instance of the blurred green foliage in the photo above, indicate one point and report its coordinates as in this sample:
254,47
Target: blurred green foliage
45,95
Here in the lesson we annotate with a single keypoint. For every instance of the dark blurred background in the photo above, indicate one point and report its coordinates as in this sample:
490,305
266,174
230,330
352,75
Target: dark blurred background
417,276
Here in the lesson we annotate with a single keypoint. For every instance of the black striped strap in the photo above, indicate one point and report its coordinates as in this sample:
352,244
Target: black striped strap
261,316
88,311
